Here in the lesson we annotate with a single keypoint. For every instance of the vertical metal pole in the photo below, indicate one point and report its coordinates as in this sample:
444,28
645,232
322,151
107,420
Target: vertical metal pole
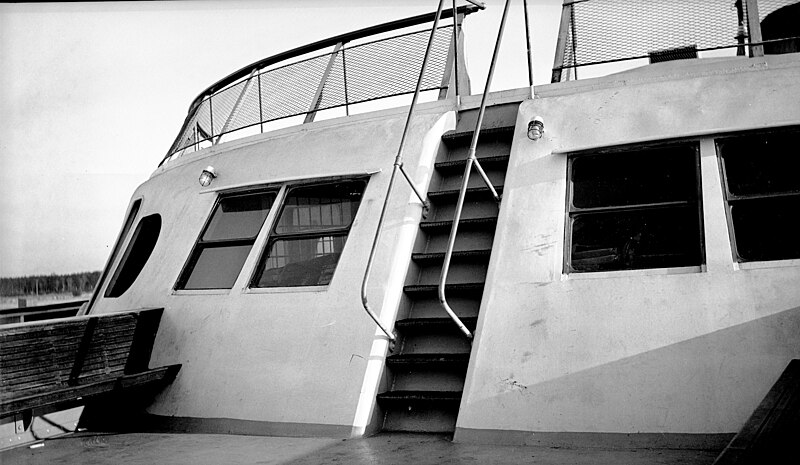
455,51
574,41
235,107
740,35
317,100
754,29
344,73
561,44
528,44
260,105
211,116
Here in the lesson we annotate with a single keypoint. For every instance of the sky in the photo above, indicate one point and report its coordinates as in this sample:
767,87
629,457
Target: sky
93,94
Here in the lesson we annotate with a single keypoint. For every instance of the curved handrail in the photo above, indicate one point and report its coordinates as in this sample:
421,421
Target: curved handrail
398,165
471,159
308,48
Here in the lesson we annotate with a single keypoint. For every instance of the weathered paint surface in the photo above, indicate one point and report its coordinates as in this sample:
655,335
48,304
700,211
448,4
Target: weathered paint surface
683,350
283,356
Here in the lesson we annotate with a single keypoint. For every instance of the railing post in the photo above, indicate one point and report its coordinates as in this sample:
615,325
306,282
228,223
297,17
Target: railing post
260,105
234,108
312,112
528,44
344,76
561,44
754,29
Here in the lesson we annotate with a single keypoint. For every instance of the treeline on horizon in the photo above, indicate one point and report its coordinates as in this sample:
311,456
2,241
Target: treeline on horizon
73,283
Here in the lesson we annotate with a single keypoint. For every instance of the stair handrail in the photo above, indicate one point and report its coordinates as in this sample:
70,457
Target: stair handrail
471,159
398,166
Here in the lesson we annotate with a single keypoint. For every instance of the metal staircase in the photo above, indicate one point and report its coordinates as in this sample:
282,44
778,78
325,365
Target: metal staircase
429,364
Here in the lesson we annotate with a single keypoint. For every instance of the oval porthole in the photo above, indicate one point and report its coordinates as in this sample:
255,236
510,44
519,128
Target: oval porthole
136,255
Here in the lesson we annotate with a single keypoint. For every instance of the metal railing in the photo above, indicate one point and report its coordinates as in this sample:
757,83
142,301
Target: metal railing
270,90
594,32
398,166
471,160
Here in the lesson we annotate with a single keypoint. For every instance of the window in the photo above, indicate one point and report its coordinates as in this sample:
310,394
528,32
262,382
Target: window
136,255
762,190
309,235
634,209
225,243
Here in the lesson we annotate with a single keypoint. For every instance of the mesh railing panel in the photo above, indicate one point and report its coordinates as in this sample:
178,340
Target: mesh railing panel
603,31
359,73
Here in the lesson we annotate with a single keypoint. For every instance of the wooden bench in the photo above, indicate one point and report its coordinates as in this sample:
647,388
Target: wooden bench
55,364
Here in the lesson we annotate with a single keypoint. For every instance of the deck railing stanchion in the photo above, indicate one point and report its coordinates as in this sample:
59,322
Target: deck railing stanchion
561,43
754,29
528,44
317,99
234,109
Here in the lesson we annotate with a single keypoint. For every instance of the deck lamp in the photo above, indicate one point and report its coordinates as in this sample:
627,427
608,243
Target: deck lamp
536,128
207,176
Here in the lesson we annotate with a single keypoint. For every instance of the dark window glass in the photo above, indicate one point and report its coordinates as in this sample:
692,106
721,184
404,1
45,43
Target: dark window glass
636,209
309,235
217,267
136,255
629,240
238,217
763,194
320,208
225,243
639,177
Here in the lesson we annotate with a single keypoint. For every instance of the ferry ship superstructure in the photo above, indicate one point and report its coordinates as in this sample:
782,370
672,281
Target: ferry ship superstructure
630,273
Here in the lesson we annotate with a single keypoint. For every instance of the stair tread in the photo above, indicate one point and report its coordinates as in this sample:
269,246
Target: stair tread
459,254
428,358
457,136
470,191
433,288
484,161
464,223
434,323
421,395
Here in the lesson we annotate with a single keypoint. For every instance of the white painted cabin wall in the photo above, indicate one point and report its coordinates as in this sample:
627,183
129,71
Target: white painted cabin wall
296,356
686,351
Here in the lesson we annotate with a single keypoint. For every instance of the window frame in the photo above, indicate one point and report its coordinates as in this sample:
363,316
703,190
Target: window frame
199,243
265,236
274,236
571,212
730,198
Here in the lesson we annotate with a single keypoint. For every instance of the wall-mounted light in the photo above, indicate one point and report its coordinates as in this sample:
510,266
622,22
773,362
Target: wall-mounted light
536,128
207,176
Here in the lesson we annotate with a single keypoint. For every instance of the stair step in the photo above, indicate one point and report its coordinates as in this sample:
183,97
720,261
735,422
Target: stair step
465,137
439,196
465,223
460,255
462,289
426,418
418,397
443,361
425,325
486,163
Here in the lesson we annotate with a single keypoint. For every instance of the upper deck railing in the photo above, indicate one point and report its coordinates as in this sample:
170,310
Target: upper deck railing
597,32
275,88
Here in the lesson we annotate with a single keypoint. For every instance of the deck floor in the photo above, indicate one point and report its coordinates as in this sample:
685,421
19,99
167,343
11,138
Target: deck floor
384,449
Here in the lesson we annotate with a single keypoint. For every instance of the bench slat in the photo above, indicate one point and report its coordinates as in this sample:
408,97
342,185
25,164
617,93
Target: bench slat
20,404
45,363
